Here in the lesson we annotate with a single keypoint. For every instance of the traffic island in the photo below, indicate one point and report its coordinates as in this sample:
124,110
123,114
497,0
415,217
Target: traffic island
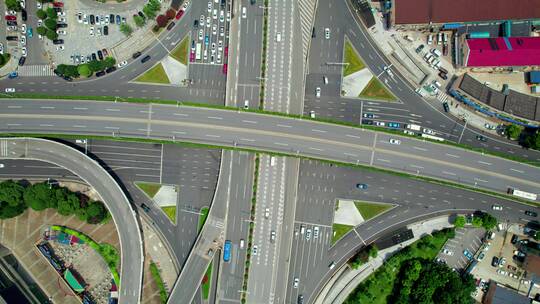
202,218
156,75
165,196
376,90
180,53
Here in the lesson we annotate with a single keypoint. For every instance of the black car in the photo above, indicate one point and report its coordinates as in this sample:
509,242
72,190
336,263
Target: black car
514,239
145,207
24,15
100,55
58,41
443,75
11,23
67,78
61,25
446,107
419,48
110,70
495,261
313,34
145,59
300,299
367,122
531,213
22,60
118,19
57,9
170,26
100,73
12,38
92,19
136,55
94,57
253,2
111,18
141,14
106,30
196,23
481,138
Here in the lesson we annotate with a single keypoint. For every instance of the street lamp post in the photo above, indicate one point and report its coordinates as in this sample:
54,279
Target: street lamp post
466,118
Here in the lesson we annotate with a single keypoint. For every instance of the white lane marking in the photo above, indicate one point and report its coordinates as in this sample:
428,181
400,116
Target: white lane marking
46,125
76,108
47,107
485,163
79,126
481,180
452,155
247,139
249,121
211,135
353,136
214,117
180,114
449,173
115,128
320,131
14,107
316,149
415,166
516,170
284,126
384,160
179,132
112,110
418,148
280,144
12,124
350,154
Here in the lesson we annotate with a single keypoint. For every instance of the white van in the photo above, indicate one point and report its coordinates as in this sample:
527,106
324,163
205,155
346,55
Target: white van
246,104
272,161
242,243
244,12
430,39
437,84
325,79
278,37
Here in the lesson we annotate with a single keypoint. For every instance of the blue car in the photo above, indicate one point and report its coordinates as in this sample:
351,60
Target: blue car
393,125
30,32
206,40
467,254
361,186
13,75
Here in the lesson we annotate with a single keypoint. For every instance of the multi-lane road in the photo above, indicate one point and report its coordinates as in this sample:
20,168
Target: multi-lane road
271,133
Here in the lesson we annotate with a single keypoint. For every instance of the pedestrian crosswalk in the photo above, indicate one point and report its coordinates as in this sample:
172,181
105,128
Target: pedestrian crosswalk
36,70
3,148
443,97
307,17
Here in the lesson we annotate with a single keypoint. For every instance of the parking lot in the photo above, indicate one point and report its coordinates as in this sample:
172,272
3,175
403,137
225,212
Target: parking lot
211,34
469,239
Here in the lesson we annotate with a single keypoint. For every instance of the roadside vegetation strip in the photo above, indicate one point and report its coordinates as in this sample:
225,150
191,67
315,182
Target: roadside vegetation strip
351,165
107,251
154,270
202,217
4,59
170,211
292,116
351,57
375,89
251,229
149,188
155,75
370,210
207,280
339,230
263,59
386,284
180,53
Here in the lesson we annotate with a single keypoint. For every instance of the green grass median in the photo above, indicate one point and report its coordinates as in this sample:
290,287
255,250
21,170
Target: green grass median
170,211
340,230
206,283
155,75
371,210
351,57
375,89
149,188
180,53
202,217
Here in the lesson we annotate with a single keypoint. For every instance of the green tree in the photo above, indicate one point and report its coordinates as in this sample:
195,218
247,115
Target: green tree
109,62
13,5
532,141
51,35
41,14
154,5
51,13
68,202
11,199
126,29
149,12
50,24
537,236
95,65
84,70
39,197
373,251
513,131
460,222
139,21
96,212
41,30
477,221
488,221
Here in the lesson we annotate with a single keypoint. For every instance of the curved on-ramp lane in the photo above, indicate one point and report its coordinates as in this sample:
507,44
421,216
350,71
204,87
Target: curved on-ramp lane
112,195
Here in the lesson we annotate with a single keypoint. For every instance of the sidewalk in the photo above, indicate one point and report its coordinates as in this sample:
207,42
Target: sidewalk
9,67
347,278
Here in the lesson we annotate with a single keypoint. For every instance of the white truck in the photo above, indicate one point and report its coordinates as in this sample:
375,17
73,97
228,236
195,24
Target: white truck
414,127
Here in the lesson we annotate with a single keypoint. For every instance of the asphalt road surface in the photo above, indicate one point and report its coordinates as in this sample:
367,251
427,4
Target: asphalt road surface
111,194
270,133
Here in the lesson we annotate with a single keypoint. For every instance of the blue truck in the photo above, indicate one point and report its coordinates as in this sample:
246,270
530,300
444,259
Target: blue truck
227,251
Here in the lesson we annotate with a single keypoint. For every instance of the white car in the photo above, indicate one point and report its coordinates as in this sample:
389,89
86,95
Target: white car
39,22
254,250
60,47
39,6
185,6
448,252
497,207
214,29
221,16
316,232
1,48
209,6
2,166
380,123
61,32
23,40
266,213
201,33
394,141
85,19
318,92
10,90
428,131
296,282
79,17
91,31
61,14
23,28
208,22
228,16
23,52
244,12
62,20
312,114
23,4
201,21
122,64
308,234
214,14
327,33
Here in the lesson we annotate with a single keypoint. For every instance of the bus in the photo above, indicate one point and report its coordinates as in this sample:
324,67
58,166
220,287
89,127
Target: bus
227,251
522,194
432,137
198,51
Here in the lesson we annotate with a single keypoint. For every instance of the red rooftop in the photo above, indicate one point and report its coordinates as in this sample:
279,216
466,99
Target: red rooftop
515,51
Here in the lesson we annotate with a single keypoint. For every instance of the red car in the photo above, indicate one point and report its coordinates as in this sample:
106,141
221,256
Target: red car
225,68
10,18
179,14
226,51
58,4
191,56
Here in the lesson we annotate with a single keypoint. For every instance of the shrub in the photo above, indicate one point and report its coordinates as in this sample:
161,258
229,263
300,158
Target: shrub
41,30
51,13
149,12
51,35
161,20
50,24
126,29
171,13
84,70
41,14
13,5
139,21
459,222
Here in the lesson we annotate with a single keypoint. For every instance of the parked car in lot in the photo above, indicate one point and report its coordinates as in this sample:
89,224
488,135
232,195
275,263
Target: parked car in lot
327,33
170,26
467,254
58,41
10,90
495,261
380,123
428,131
100,73
21,61
100,55
122,64
110,70
393,125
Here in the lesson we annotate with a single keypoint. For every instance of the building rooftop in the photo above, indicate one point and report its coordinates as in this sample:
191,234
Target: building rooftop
515,51
500,295
442,11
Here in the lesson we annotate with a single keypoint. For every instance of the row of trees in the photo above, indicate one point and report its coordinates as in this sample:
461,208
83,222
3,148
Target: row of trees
16,197
150,11
363,256
528,138
483,219
48,29
13,5
85,69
